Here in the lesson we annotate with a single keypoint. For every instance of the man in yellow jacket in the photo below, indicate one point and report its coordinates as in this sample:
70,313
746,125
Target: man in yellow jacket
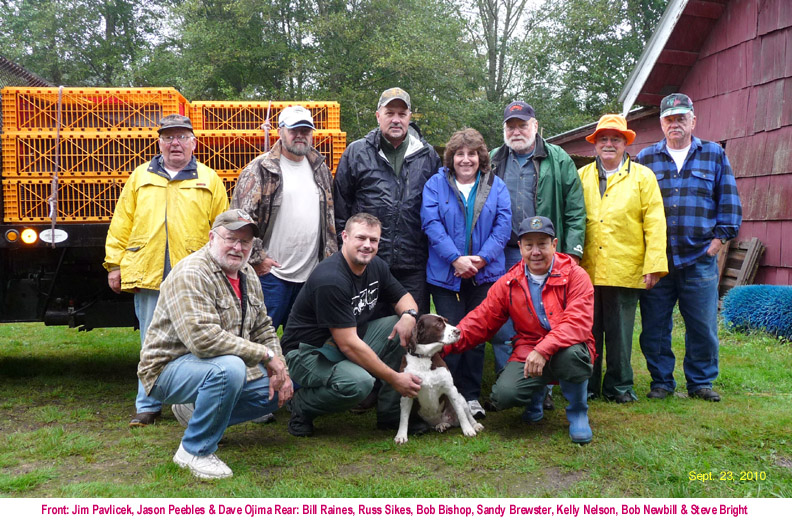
164,213
624,253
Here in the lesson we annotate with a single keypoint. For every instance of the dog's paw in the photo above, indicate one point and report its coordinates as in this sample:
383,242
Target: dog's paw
469,431
478,426
400,439
442,427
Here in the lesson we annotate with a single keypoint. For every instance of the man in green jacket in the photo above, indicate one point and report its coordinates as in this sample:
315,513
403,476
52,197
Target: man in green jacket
542,181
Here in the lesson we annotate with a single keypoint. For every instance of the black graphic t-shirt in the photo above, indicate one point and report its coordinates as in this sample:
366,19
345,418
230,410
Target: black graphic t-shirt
335,297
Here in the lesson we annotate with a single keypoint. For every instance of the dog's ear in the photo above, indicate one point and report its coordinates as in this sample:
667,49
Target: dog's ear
412,341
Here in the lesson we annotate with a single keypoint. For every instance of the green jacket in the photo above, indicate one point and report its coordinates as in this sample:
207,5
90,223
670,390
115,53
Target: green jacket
559,194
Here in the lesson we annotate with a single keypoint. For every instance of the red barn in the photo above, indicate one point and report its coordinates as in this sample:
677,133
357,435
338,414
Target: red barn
734,59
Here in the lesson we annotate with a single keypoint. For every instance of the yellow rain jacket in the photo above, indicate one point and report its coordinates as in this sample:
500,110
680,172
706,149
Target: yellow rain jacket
153,211
625,227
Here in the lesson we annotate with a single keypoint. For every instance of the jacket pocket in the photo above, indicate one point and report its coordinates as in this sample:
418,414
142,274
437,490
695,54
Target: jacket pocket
194,244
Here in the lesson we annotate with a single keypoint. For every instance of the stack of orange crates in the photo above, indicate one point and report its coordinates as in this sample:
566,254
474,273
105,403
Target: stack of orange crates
105,133
230,133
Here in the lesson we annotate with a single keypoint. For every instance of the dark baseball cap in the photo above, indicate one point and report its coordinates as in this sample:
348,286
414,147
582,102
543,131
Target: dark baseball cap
537,225
520,110
175,121
235,219
674,104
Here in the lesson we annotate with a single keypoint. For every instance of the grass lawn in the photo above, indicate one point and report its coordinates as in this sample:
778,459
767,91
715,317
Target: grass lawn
66,397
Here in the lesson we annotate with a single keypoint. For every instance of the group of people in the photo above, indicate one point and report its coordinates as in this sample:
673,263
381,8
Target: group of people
514,246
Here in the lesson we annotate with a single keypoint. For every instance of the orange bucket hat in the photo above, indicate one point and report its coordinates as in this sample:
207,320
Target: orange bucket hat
612,122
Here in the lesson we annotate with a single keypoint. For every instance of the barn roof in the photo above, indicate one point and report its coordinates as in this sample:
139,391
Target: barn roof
671,51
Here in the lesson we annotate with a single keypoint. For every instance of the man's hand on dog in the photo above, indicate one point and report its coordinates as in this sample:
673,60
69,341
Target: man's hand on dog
404,328
534,364
406,384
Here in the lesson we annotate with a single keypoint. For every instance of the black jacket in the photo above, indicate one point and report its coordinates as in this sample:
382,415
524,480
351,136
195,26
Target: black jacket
365,182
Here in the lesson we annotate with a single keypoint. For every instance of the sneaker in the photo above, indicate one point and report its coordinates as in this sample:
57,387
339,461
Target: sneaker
658,393
264,419
708,394
183,412
300,425
476,409
208,466
144,419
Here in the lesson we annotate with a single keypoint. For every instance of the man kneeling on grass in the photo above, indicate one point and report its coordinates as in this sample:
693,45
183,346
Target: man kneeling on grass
551,300
211,350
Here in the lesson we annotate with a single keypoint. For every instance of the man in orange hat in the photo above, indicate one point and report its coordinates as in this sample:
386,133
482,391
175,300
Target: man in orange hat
624,250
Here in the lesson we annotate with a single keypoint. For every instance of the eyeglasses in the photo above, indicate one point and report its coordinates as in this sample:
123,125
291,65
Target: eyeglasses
183,138
232,242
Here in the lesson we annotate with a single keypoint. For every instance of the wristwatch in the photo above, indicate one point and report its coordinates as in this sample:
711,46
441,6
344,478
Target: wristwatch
270,355
411,312
723,241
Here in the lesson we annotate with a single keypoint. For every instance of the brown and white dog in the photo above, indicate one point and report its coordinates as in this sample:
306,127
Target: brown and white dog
441,404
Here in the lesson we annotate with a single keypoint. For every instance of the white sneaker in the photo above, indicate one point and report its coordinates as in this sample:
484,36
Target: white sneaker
183,412
476,409
264,419
208,466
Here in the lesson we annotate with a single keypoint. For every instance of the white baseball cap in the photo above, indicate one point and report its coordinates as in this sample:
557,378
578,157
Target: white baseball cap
295,116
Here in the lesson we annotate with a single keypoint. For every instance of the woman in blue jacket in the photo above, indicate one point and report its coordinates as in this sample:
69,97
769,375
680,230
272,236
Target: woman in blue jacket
466,214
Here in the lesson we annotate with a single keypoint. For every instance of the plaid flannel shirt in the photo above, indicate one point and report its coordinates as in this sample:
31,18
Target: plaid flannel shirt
199,313
701,201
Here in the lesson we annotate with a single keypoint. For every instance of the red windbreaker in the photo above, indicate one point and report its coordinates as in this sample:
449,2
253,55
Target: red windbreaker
568,298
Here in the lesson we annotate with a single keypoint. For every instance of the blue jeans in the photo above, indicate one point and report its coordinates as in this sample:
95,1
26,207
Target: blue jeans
221,395
467,368
502,349
279,296
696,289
145,303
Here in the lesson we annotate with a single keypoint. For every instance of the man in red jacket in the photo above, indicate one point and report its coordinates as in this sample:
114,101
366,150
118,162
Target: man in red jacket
551,301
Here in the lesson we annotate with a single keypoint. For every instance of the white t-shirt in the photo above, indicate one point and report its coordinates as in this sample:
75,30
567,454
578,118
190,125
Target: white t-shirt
465,189
679,156
293,239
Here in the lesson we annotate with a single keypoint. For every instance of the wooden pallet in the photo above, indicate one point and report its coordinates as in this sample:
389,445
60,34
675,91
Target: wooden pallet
738,262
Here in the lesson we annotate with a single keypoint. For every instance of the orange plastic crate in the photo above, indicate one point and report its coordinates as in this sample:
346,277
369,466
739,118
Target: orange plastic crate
232,151
250,115
29,108
85,154
79,200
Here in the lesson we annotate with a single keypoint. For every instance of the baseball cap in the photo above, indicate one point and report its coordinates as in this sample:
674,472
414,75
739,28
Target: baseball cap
295,116
391,94
175,121
613,122
520,110
537,225
235,219
674,104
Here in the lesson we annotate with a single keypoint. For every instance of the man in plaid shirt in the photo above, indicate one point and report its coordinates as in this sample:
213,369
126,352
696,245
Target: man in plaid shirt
703,212
211,349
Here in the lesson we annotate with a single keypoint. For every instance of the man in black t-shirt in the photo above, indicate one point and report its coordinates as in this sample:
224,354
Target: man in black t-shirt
334,352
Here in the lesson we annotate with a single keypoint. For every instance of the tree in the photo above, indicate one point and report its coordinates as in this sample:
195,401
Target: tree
581,56
79,42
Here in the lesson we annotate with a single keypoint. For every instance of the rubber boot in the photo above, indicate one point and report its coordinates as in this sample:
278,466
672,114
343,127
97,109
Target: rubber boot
577,411
533,411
